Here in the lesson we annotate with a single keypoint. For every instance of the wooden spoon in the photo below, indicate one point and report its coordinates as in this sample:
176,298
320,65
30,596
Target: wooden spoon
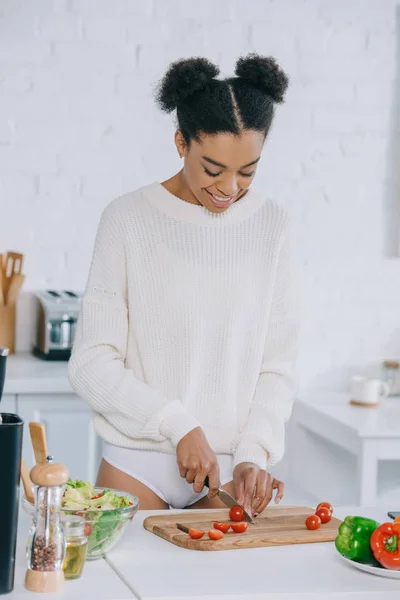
1,281
26,482
14,289
13,264
39,442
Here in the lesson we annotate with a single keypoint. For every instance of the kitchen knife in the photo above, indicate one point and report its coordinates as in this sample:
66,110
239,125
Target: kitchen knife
230,501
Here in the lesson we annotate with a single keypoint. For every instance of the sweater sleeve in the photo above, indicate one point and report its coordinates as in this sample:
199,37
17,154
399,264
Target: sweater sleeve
262,439
97,367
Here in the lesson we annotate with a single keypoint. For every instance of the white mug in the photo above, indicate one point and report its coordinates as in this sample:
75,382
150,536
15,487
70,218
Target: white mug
367,391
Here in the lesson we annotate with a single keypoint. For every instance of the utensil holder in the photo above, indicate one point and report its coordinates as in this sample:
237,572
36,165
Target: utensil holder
10,453
7,327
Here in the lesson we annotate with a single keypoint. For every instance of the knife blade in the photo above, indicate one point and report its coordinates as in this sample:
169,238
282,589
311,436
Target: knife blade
230,501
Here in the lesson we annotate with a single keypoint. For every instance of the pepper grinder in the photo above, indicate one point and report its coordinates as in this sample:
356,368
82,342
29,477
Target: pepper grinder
46,543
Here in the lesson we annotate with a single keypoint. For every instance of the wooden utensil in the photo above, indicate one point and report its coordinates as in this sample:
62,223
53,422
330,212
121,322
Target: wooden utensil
1,281
39,442
276,526
13,264
26,482
17,281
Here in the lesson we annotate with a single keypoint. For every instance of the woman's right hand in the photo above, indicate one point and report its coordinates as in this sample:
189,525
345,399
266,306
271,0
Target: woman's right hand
196,460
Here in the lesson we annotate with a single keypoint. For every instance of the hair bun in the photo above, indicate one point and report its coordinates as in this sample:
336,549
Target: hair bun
264,73
182,79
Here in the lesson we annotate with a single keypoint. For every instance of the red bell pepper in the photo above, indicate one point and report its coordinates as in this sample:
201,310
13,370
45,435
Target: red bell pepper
385,544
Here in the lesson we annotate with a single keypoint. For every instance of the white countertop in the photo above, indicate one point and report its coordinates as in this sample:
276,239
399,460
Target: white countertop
157,570
146,567
27,374
98,581
366,422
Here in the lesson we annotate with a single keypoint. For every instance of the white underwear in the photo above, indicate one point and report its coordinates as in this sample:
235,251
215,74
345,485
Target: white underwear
159,472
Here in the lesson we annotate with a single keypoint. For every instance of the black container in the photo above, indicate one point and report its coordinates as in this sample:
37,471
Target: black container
10,452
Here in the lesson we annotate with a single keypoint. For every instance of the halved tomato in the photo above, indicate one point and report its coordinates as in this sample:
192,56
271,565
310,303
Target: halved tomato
239,527
215,534
196,534
222,527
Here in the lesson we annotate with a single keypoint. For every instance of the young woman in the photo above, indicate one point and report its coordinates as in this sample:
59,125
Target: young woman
186,338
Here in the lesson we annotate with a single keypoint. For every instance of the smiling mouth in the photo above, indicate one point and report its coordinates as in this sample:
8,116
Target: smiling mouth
224,199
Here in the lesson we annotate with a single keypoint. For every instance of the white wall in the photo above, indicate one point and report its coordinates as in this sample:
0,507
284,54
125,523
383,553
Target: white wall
78,127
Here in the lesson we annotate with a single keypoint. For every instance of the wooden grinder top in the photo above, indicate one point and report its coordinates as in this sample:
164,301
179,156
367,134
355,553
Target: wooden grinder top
49,474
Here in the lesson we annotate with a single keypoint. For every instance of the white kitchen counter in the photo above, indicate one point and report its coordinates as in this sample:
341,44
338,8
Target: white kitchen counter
27,374
372,434
155,569
146,567
98,581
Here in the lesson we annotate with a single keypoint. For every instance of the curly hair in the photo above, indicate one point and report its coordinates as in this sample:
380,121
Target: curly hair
207,105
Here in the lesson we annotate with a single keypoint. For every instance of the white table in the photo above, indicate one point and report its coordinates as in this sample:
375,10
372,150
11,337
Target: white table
98,582
371,433
155,569
146,567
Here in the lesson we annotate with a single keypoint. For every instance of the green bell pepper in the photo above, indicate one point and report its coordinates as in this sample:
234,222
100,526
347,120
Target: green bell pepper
354,537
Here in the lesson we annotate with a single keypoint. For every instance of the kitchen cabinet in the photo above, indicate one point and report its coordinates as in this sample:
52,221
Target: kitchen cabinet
8,404
70,434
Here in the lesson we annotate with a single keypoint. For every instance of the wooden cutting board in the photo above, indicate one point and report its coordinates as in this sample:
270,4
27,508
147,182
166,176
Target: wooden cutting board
276,526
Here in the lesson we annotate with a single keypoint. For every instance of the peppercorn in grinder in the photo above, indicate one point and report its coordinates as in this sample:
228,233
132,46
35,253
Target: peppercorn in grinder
46,543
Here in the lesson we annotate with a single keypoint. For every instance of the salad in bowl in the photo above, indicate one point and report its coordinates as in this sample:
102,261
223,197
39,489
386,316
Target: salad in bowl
107,513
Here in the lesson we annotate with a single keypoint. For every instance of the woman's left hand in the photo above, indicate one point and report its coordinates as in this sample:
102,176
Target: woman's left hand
254,487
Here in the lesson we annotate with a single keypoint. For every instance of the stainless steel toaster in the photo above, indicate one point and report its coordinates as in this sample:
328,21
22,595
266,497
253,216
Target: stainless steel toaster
58,312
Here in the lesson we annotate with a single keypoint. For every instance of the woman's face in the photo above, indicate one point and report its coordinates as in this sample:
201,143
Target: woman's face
220,168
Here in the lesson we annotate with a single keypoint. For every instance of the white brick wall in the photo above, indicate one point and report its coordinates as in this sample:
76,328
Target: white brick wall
78,127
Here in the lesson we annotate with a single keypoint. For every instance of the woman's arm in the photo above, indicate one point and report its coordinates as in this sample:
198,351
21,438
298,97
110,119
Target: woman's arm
97,367
261,442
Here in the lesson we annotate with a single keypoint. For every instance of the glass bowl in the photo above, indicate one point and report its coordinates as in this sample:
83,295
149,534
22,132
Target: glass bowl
104,528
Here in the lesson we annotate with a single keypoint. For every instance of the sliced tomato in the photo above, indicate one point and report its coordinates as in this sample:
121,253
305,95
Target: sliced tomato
88,529
236,513
196,534
215,534
224,527
239,527
324,514
325,505
313,522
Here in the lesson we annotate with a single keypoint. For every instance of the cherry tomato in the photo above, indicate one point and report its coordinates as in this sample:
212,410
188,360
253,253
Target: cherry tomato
215,534
196,534
236,513
88,529
324,514
397,520
222,527
239,527
325,505
313,522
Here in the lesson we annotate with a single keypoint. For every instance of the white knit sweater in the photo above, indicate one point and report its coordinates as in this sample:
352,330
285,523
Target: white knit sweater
189,319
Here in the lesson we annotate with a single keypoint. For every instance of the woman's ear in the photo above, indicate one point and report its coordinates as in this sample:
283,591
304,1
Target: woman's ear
180,144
